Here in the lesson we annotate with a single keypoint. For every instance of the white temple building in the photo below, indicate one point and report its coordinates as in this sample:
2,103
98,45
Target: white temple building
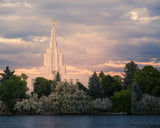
53,63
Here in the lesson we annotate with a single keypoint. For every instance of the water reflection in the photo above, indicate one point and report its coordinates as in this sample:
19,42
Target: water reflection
79,122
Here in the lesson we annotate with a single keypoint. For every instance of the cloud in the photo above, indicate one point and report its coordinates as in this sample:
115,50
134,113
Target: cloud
142,15
94,35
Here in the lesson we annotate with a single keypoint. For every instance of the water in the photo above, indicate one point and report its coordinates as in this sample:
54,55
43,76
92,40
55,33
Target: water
79,121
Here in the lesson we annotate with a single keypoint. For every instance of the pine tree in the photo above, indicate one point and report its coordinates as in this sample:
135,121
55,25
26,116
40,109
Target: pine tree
129,70
137,95
6,75
136,92
58,77
95,88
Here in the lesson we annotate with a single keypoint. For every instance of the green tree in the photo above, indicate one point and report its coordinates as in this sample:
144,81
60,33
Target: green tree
119,79
82,87
95,87
136,92
58,77
6,75
101,75
110,85
24,76
136,96
129,70
148,79
11,91
42,86
121,101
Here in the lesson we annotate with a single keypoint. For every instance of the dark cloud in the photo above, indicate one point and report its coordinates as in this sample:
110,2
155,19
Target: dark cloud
118,36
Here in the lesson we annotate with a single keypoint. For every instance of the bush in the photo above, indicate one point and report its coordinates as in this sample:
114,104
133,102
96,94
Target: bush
102,104
29,106
66,99
121,101
148,105
69,99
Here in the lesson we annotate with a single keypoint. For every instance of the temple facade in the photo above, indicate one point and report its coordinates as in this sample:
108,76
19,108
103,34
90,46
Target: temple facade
53,63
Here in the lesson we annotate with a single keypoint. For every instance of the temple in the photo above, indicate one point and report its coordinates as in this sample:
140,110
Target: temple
53,58
53,63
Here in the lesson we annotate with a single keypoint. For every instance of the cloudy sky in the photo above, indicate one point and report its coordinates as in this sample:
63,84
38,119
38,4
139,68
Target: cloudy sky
94,35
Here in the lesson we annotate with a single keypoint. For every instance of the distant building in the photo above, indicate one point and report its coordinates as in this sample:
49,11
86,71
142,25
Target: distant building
53,63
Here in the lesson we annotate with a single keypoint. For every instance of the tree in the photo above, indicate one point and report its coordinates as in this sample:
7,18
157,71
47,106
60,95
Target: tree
121,101
42,86
129,70
101,75
136,96
82,87
136,92
95,87
148,79
58,77
12,90
119,79
110,85
23,76
6,75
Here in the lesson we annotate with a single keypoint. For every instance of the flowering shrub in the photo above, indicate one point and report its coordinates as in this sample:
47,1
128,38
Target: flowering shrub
102,104
148,105
66,98
32,105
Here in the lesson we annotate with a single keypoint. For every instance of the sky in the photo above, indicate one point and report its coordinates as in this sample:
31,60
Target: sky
94,35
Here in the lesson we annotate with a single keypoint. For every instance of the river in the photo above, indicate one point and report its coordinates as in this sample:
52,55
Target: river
80,121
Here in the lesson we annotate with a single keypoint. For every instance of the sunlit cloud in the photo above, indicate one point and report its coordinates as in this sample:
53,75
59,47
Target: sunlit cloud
16,4
16,41
142,15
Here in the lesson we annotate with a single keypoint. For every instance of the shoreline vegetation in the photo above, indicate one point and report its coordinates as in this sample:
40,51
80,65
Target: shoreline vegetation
137,93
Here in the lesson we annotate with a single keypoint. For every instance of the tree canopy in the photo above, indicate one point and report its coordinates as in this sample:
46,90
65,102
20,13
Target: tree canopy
110,85
11,90
42,86
6,75
95,87
58,77
148,79
122,101
129,70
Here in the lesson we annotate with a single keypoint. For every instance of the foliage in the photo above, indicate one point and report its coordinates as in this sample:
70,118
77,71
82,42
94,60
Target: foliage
6,75
95,87
103,104
101,75
136,92
29,106
129,70
136,96
148,105
66,99
82,87
11,90
69,99
58,77
1,103
23,76
121,101
110,85
42,86
148,79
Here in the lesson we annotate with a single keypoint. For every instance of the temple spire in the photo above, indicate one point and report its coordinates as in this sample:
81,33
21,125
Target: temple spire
53,36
